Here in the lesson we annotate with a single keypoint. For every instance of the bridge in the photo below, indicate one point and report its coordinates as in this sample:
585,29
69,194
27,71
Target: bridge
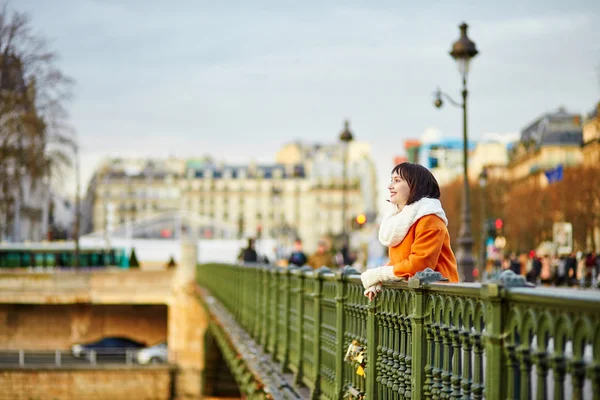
297,333
264,332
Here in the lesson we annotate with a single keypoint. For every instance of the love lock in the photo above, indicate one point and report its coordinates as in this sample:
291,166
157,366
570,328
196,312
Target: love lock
356,356
352,393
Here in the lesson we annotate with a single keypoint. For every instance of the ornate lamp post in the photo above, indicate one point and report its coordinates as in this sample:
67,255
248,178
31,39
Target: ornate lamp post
483,177
345,137
463,50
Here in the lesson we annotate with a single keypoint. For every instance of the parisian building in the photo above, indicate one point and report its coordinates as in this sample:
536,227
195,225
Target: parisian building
551,140
298,196
591,138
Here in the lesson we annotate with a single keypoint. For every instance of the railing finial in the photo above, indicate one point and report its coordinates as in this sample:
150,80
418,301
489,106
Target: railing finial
426,276
509,279
347,271
322,270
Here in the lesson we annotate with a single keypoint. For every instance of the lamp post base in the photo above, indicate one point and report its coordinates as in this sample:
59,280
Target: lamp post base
465,259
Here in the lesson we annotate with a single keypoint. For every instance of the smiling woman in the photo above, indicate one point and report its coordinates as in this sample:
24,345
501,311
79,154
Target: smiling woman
415,232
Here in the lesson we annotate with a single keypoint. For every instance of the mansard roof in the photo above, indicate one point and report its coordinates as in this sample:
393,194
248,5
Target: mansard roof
555,128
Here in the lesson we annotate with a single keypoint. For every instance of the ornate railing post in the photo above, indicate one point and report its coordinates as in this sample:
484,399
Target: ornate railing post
317,294
371,372
260,315
285,282
419,343
494,371
255,299
300,322
242,297
273,311
340,301
497,384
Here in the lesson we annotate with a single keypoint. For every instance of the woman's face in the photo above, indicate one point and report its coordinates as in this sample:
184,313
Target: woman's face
399,191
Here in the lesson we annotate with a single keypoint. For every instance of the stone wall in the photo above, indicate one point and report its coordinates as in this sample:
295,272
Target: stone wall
147,383
48,327
110,286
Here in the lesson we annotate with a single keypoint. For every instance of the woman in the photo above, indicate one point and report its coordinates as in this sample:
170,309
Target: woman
415,232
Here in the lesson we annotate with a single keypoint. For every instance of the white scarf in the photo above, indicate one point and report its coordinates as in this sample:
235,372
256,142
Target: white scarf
395,226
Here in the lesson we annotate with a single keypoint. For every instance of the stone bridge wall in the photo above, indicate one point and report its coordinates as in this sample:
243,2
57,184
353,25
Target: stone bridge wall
108,286
147,383
49,327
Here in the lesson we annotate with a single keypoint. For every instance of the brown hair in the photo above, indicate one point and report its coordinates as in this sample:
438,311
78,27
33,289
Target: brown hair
421,182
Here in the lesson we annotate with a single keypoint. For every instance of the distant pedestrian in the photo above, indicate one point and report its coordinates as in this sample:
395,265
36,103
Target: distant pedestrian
590,267
298,257
322,257
571,269
546,272
248,254
514,264
536,268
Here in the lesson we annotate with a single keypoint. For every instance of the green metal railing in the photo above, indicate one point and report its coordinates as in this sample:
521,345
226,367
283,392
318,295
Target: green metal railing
416,340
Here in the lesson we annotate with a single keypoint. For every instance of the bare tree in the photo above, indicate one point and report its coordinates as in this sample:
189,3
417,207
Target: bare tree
36,140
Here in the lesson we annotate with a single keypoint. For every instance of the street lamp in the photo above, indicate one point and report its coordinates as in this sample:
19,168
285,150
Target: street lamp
345,137
463,50
483,177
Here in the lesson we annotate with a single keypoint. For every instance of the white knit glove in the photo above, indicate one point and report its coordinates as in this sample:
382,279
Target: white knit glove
377,275
372,291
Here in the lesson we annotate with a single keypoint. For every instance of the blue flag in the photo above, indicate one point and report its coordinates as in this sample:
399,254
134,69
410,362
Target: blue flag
555,174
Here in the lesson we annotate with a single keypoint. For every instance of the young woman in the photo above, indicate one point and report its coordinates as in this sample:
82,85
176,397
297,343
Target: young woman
415,232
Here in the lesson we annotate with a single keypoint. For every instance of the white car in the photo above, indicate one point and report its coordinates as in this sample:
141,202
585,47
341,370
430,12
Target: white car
156,354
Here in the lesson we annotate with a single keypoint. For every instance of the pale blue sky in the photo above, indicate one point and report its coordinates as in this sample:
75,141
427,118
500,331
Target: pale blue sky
237,79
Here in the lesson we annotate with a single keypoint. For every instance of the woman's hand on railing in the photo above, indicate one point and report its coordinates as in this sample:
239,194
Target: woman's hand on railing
377,275
372,291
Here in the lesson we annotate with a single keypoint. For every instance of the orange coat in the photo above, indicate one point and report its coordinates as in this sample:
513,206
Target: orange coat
427,244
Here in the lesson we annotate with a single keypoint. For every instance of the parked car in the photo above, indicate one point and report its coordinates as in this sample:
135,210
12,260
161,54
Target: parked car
109,349
156,354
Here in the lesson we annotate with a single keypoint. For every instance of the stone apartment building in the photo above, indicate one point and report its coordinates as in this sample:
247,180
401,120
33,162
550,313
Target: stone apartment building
591,152
591,138
553,139
298,196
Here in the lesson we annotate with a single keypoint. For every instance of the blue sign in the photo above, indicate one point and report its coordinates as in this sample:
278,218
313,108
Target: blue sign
555,174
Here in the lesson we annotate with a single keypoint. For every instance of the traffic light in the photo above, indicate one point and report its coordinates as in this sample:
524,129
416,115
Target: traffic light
361,219
490,228
498,224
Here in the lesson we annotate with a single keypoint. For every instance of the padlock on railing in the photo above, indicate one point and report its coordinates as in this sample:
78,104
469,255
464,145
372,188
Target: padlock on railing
352,393
356,355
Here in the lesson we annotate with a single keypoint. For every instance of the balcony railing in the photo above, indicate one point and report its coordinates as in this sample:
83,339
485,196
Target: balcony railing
416,340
